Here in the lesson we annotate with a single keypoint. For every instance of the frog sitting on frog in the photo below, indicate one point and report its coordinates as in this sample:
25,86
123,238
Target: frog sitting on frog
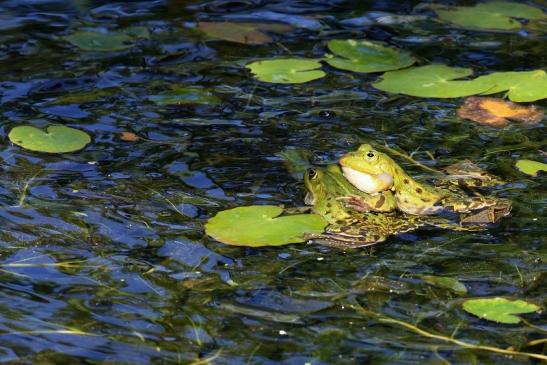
375,172
334,198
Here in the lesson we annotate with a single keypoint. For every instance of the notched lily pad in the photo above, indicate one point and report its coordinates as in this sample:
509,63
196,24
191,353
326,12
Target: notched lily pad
365,56
259,225
185,96
432,81
246,33
530,167
286,70
497,112
56,139
501,15
102,40
499,309
523,86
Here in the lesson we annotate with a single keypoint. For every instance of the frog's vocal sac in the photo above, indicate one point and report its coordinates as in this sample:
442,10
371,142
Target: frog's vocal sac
373,171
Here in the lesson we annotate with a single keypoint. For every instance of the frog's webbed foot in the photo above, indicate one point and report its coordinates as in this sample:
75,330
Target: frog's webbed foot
488,215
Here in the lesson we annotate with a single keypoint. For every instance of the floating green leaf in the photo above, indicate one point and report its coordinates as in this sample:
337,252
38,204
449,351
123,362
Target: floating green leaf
499,309
102,40
257,225
524,86
530,167
286,70
432,81
184,96
57,138
490,15
365,56
446,283
246,33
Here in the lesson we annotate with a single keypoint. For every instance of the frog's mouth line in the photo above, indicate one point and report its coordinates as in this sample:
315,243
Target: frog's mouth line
369,183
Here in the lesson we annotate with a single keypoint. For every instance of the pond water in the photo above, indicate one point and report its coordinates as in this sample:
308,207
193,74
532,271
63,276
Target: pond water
103,255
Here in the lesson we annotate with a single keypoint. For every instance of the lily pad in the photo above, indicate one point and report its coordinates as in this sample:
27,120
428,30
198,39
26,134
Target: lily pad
432,81
257,225
491,15
102,40
445,283
524,86
530,167
185,96
56,139
287,70
365,56
499,309
246,33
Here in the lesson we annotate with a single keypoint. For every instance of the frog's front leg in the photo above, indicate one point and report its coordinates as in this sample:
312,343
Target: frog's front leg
381,202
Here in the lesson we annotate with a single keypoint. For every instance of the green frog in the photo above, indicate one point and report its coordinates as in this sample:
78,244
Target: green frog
348,228
345,194
373,172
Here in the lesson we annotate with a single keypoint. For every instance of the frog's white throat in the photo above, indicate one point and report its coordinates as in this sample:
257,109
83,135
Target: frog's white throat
369,183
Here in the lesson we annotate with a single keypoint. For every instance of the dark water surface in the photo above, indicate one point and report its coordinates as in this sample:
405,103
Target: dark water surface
103,258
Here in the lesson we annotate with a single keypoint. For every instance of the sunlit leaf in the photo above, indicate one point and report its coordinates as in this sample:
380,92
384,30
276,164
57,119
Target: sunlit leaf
531,167
246,33
497,112
524,86
286,70
103,40
185,95
499,309
129,137
56,139
490,15
257,225
365,56
432,81
446,283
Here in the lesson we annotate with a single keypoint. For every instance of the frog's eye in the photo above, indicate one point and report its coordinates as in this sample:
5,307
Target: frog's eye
370,154
312,173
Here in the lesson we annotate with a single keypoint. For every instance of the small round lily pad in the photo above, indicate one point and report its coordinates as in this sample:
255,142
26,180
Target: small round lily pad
102,40
366,56
56,138
185,96
500,310
286,70
259,225
446,283
530,167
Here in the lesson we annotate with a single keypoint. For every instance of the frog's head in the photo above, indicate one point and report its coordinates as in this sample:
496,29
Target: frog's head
369,170
314,182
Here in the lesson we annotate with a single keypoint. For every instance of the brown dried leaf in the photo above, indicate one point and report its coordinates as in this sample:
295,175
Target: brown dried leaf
129,137
246,33
497,112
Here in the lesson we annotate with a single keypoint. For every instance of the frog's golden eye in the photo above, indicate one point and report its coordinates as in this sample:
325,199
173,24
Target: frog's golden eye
312,173
370,154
